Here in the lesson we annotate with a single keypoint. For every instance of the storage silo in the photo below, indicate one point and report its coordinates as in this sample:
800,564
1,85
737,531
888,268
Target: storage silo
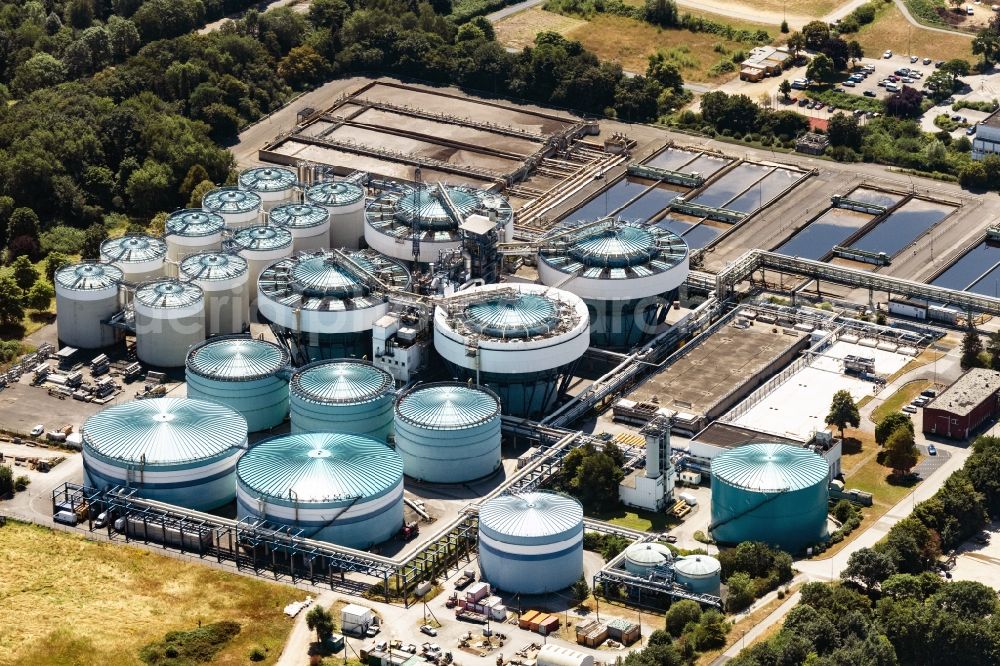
768,492
169,320
346,203
326,302
244,374
191,231
342,395
627,273
342,488
274,185
437,212
531,543
223,278
174,450
140,257
261,246
521,340
309,224
700,574
87,296
239,208
448,433
644,559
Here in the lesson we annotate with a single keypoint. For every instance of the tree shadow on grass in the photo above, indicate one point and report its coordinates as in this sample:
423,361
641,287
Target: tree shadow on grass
851,445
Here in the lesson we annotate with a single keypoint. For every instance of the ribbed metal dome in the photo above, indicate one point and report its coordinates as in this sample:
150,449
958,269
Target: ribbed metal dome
597,250
770,468
448,406
334,193
262,237
236,358
394,213
648,554
325,275
267,179
320,467
697,565
539,514
523,315
343,381
427,207
213,266
133,249
194,222
88,276
168,293
299,216
165,431
231,200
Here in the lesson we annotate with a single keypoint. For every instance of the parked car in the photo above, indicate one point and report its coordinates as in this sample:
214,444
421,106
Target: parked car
970,130
869,93
803,101
101,520
929,393
907,79
893,78
938,64
883,82
820,105
931,450
428,629
927,61
909,409
892,87
914,58
887,54
850,84
956,117
38,430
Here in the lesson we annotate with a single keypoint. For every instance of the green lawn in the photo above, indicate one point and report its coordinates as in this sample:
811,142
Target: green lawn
895,402
876,479
644,521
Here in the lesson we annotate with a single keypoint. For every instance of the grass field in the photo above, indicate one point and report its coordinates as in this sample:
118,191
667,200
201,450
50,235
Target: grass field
905,394
644,521
892,31
67,600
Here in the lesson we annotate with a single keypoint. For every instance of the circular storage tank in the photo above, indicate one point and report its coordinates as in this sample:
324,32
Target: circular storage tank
140,257
261,246
389,219
244,374
700,574
173,450
642,559
531,543
627,273
191,231
448,433
169,320
239,208
309,224
528,338
274,185
223,278
342,488
774,493
328,301
343,395
86,295
346,203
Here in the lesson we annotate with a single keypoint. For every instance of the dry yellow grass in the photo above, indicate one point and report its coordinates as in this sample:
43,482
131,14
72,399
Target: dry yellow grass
892,31
67,600
519,30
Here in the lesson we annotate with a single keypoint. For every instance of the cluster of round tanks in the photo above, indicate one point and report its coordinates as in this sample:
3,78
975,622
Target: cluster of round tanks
191,231
448,433
345,202
174,450
775,493
244,374
223,279
139,257
239,208
169,320
531,543
86,295
343,488
342,395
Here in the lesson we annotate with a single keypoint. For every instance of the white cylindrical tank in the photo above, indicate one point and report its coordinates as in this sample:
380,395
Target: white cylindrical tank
174,450
237,207
531,543
223,278
700,574
191,231
643,558
346,202
309,224
342,395
169,320
86,296
140,257
274,185
261,246
448,433
245,374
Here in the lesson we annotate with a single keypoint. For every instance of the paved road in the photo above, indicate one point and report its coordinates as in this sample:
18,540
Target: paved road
909,17
499,15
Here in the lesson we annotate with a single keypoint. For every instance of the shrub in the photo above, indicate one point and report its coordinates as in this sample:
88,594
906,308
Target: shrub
257,653
21,484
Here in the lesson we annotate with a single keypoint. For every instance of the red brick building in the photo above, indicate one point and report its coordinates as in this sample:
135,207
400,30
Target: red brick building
973,399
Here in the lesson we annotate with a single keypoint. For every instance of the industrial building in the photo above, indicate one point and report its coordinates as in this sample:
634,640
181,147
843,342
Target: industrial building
987,138
627,273
342,488
768,492
178,451
652,487
521,340
448,433
342,395
87,295
191,231
531,543
139,257
169,320
964,406
244,374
